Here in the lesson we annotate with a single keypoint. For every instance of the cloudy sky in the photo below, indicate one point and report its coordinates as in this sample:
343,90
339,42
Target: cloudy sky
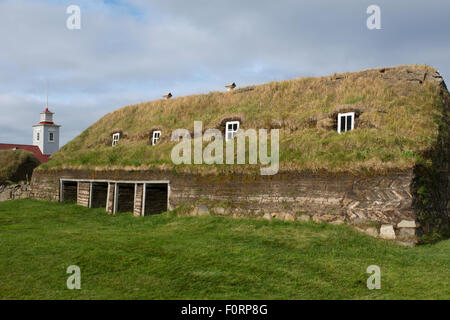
129,51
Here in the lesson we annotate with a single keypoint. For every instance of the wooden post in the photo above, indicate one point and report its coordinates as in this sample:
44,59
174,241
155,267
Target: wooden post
143,199
134,201
168,197
107,197
61,190
90,195
116,198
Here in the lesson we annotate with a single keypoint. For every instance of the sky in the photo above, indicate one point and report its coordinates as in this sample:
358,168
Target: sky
131,51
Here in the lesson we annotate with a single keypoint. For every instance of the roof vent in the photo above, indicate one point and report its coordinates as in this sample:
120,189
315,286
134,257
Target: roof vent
230,86
167,96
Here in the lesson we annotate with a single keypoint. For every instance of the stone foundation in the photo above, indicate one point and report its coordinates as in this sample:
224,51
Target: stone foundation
380,205
15,191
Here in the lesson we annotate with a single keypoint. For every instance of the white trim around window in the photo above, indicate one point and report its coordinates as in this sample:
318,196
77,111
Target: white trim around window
231,129
156,136
116,137
51,136
345,122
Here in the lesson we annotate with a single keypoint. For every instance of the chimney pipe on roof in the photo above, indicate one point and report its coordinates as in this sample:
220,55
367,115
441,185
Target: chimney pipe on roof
230,86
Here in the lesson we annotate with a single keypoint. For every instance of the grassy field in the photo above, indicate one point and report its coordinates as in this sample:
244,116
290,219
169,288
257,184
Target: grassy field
172,257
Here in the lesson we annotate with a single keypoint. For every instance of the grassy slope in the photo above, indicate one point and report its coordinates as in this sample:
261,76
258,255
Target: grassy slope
406,113
11,161
168,257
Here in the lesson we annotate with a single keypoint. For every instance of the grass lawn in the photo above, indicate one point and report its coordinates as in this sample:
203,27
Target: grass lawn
170,257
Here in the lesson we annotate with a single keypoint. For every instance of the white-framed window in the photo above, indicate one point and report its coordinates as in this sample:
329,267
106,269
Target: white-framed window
231,129
37,136
156,136
51,137
116,137
345,122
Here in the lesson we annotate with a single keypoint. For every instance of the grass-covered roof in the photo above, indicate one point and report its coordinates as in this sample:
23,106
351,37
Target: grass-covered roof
16,165
399,112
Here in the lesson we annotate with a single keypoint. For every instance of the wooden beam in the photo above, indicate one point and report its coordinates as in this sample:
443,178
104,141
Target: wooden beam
116,197
144,192
61,191
116,181
168,197
90,195
134,203
78,190
107,197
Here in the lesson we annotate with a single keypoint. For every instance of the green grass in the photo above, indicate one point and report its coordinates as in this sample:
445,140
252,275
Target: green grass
401,120
16,164
172,257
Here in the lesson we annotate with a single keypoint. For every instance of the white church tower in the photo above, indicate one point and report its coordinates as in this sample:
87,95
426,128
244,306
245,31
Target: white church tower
46,133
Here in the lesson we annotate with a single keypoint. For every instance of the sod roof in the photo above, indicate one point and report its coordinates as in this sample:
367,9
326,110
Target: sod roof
16,165
399,112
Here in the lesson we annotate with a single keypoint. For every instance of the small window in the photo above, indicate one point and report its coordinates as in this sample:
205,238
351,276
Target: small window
37,136
116,137
156,136
51,137
231,129
346,121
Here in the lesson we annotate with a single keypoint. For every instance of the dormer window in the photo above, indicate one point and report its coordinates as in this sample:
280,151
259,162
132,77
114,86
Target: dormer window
156,136
231,129
116,137
345,122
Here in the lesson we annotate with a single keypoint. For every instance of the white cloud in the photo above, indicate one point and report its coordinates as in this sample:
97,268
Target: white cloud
136,50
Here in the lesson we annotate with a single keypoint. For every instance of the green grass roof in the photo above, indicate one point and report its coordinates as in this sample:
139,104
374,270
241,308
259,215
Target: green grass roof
399,109
15,165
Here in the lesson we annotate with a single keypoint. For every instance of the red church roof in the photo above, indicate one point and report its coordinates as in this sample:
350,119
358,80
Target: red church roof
33,149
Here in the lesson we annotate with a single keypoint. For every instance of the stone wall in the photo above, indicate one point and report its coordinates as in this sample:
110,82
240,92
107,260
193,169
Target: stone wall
385,205
367,202
45,186
432,184
15,191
